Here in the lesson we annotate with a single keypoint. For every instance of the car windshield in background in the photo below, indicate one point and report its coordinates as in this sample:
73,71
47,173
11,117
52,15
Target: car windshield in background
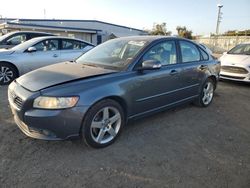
114,54
5,36
243,49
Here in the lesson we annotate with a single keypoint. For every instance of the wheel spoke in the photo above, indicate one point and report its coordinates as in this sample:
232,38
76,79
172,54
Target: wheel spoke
100,135
9,73
96,124
5,69
106,113
6,78
114,118
206,89
112,132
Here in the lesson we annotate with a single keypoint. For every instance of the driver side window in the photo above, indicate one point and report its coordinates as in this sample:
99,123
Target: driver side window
164,52
47,45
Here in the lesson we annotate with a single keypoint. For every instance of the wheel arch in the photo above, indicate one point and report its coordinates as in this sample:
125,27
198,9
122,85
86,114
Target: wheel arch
121,101
213,78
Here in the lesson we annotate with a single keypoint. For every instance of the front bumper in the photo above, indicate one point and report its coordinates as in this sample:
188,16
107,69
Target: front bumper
235,72
40,123
235,76
51,124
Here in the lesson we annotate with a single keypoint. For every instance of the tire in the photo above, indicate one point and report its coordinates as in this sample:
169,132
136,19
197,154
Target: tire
207,93
103,123
8,73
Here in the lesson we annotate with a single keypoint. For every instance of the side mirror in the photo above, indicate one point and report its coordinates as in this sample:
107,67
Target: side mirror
150,65
224,53
31,49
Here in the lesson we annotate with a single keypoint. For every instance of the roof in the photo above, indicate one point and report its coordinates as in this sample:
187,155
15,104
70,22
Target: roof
67,20
53,27
36,32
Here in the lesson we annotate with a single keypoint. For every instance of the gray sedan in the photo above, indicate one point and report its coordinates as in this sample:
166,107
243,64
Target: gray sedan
122,79
38,52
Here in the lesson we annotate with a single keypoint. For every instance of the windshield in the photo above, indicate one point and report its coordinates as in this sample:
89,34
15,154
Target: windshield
114,54
243,49
25,45
5,36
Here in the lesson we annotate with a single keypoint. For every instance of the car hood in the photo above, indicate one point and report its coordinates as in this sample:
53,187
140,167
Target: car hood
6,52
59,73
235,59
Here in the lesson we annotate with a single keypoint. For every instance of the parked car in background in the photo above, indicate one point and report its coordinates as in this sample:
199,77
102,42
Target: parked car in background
39,52
235,64
12,39
118,80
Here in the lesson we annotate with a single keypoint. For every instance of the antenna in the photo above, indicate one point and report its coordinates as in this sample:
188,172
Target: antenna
44,13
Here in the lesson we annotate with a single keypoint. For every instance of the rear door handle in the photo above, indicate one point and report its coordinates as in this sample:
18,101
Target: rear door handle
203,67
55,55
173,72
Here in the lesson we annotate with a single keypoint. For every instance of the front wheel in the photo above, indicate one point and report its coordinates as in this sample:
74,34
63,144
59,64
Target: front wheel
103,123
7,73
207,93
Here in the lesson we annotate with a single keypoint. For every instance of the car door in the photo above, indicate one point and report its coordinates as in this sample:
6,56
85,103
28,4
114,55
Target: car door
46,53
72,49
192,73
158,88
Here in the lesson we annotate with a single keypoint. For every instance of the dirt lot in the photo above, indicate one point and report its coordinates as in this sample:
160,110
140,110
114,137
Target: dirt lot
184,147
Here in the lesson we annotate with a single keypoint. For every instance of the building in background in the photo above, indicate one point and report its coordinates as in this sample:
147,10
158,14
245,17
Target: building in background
92,31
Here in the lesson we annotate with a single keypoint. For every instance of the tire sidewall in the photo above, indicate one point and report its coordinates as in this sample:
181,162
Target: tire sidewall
86,126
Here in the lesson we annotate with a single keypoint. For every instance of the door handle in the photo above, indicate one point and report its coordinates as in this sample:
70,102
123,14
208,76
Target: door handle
55,55
173,72
203,67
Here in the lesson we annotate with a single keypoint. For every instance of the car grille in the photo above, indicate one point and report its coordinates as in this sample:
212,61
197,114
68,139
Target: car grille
15,99
232,69
233,77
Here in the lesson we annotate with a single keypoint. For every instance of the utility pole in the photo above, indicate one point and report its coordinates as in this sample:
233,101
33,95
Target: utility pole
44,13
218,18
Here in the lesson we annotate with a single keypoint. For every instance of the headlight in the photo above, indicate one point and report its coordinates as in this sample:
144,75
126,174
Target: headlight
55,102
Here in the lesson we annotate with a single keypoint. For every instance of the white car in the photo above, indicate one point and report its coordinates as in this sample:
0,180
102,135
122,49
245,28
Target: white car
235,64
38,52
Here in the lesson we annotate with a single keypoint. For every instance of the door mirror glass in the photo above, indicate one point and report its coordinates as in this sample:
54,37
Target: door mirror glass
31,49
151,65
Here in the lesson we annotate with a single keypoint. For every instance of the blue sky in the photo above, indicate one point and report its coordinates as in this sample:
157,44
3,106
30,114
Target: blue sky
197,15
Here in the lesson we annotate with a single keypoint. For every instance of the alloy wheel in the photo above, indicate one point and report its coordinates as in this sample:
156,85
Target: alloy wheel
6,74
105,125
208,93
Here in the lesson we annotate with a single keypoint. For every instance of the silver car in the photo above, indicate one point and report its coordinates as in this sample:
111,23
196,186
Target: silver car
38,52
235,64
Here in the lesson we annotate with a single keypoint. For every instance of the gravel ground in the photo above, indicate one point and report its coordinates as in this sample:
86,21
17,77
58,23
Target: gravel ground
184,147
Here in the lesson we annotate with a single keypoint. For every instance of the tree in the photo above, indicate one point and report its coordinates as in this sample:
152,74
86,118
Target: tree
183,32
237,33
160,29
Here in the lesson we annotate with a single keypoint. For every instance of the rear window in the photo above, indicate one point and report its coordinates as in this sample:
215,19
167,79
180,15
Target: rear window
204,55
